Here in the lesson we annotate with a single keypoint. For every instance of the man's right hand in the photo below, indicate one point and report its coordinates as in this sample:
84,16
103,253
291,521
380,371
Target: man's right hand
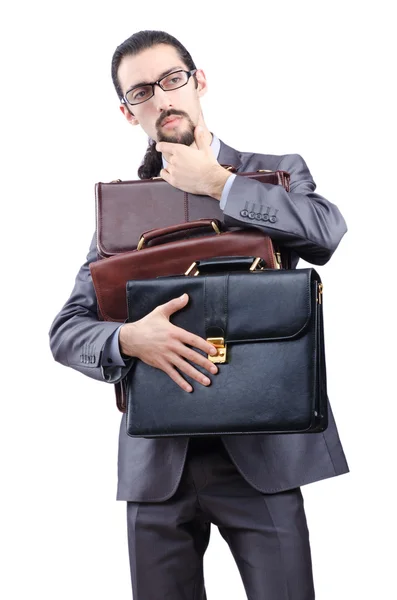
159,343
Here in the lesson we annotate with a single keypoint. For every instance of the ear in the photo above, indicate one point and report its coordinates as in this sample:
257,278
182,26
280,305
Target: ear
130,118
202,83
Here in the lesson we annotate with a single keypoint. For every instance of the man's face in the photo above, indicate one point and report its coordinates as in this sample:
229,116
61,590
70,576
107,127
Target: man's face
184,102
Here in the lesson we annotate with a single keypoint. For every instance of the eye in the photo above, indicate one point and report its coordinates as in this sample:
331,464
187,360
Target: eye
173,80
139,94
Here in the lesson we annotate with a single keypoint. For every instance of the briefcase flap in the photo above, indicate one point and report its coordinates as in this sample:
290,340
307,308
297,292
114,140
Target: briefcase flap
125,209
253,306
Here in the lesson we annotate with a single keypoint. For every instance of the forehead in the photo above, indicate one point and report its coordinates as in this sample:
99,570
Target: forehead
148,65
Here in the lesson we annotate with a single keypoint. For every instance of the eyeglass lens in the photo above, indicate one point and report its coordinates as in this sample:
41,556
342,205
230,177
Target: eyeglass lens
170,82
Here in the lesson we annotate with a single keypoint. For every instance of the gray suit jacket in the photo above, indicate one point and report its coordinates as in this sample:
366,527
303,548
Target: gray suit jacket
150,469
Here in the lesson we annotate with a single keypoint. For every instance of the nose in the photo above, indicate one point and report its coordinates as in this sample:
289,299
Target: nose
161,99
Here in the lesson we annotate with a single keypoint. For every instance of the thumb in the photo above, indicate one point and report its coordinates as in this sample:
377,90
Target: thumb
173,305
199,138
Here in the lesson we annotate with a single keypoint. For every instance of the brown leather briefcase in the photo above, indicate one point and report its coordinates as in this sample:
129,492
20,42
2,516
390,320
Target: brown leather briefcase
157,256
125,209
178,257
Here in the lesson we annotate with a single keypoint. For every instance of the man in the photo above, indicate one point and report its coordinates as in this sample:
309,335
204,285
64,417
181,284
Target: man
249,486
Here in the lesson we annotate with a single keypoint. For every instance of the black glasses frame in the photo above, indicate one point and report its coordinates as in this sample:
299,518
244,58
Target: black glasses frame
124,99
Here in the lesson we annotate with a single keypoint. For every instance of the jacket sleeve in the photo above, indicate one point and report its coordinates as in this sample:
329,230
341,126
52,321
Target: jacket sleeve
78,337
300,219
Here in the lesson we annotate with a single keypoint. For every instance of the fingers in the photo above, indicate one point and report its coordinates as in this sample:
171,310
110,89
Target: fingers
197,358
196,341
175,376
173,305
173,355
176,359
189,370
185,336
167,147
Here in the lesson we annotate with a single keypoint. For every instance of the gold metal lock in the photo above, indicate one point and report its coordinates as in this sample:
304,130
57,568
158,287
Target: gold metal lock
221,348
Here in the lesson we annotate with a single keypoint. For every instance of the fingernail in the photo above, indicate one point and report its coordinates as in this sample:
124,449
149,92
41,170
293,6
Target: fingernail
213,351
214,369
206,381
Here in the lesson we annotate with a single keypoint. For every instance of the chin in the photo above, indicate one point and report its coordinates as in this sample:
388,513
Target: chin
175,137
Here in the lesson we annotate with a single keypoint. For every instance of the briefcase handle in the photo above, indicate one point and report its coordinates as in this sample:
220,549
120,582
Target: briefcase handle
226,263
199,226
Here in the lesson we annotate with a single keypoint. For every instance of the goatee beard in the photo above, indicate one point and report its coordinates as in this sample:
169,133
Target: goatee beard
185,137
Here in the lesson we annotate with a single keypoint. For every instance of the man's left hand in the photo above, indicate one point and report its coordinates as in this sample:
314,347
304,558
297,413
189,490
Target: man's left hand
193,170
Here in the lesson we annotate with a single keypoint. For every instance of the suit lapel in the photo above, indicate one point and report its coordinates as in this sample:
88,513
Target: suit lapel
229,156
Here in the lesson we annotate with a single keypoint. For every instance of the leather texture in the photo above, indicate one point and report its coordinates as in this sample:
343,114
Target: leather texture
150,470
126,209
110,275
271,381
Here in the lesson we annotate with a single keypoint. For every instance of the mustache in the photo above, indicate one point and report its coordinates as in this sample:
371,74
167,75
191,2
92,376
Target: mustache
170,113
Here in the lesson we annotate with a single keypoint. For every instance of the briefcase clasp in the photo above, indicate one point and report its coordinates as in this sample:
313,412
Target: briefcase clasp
221,348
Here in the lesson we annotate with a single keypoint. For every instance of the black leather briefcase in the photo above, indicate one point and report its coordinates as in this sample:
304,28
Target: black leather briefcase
268,328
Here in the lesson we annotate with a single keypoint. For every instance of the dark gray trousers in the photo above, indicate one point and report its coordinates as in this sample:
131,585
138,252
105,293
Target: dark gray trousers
266,533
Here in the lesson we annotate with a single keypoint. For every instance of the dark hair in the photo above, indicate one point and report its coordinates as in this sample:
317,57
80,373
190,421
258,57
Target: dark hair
142,40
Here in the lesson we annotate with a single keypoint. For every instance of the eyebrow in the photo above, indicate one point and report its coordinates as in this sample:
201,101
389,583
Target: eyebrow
163,74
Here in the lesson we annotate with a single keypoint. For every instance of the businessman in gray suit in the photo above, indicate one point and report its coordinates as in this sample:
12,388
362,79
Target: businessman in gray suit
249,486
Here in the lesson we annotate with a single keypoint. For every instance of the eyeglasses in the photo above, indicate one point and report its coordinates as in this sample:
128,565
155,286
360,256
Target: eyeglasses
172,81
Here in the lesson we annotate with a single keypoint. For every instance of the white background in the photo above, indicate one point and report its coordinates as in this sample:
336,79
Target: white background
321,77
